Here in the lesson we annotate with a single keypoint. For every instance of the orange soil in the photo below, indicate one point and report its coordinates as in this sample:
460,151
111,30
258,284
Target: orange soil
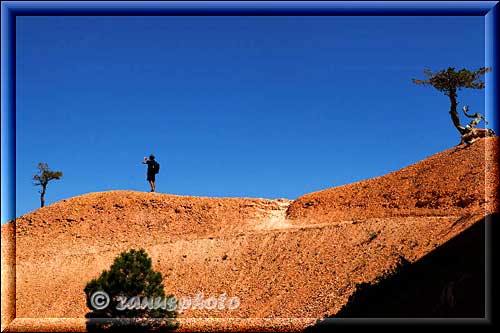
289,262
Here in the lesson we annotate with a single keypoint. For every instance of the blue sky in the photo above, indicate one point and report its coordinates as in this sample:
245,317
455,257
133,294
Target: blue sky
232,106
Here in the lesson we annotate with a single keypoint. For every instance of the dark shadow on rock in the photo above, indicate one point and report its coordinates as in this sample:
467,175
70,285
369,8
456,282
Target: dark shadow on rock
449,282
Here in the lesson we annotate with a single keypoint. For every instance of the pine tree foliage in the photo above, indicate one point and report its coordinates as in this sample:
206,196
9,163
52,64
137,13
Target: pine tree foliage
130,275
449,81
43,177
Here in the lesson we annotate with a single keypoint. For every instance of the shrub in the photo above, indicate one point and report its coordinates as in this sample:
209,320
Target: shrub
131,276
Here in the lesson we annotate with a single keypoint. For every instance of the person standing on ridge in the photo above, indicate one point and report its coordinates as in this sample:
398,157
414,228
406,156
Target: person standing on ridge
153,169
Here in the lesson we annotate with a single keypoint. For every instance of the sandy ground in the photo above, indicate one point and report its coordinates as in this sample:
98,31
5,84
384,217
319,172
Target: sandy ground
288,262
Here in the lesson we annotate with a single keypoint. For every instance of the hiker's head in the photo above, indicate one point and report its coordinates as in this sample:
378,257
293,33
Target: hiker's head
151,157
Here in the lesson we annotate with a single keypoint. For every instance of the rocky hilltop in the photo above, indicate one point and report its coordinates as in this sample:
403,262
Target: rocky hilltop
288,262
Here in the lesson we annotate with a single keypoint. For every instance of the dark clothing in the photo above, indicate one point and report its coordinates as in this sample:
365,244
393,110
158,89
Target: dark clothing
150,164
151,171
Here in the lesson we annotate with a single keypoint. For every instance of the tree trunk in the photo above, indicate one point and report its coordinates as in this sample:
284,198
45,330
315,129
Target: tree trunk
453,112
42,196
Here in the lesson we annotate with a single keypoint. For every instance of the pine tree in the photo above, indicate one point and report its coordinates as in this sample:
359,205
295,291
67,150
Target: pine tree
449,82
43,178
130,275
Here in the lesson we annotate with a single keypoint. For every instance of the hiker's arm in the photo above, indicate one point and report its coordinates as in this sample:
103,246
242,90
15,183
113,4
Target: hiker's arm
144,160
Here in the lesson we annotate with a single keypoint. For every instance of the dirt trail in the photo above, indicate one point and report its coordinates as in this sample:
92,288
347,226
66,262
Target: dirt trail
289,262
275,217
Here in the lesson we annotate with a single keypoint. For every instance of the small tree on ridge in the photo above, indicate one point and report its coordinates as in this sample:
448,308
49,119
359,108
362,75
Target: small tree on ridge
43,178
449,81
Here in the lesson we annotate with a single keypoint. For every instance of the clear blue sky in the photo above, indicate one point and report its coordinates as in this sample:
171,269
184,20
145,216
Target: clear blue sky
232,106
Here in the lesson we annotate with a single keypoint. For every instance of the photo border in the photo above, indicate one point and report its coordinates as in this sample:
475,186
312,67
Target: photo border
11,9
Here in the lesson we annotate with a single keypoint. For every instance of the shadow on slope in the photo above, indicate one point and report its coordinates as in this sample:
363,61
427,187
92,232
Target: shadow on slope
449,282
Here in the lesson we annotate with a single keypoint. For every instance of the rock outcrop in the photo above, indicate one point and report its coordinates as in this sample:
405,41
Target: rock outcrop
288,262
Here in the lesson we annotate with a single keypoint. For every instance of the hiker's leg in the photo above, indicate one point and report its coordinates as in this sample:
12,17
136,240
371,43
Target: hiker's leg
154,186
151,184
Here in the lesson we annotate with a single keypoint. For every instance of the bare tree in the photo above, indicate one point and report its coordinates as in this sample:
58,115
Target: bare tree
43,177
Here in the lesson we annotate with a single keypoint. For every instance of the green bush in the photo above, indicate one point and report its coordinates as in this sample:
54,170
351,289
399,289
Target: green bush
130,276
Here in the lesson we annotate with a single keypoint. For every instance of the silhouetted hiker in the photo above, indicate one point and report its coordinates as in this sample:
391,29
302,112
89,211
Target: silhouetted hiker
153,169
